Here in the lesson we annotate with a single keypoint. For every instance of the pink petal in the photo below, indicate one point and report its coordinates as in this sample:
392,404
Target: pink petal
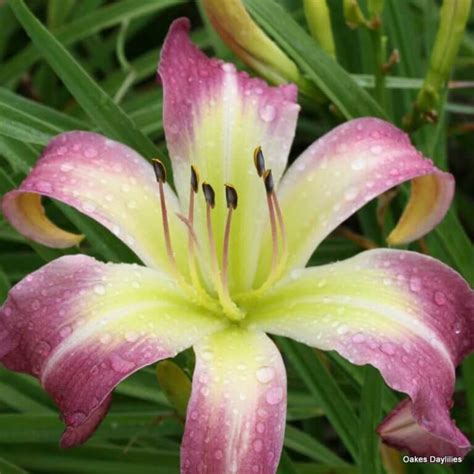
214,118
81,326
236,414
401,430
344,170
106,181
409,315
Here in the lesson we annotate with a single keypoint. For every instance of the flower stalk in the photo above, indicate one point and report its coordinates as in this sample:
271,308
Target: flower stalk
319,23
452,23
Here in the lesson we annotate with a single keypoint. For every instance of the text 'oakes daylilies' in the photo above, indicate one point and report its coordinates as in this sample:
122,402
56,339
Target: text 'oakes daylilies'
225,264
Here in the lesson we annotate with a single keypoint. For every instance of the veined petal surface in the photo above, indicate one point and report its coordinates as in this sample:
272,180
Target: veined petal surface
345,169
214,118
409,315
236,415
82,326
105,180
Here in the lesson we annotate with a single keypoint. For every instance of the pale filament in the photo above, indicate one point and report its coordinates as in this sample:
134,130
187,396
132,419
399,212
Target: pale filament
202,297
220,275
275,215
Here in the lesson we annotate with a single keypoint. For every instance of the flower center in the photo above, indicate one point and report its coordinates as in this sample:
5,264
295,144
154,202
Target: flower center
221,301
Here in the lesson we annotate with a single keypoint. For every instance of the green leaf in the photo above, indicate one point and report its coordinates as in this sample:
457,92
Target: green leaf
87,25
7,467
351,100
305,444
370,416
109,117
51,120
325,390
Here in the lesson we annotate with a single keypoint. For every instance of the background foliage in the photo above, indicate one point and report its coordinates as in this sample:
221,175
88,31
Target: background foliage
93,68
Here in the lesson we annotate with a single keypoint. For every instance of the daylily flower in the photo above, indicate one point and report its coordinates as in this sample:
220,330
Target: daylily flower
225,264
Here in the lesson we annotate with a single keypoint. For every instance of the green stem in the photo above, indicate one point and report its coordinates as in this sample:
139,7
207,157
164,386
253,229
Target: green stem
454,15
379,43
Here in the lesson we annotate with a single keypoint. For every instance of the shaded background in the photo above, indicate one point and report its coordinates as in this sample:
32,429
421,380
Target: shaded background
117,43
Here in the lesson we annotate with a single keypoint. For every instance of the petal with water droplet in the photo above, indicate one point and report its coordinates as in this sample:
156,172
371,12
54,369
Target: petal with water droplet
105,180
215,124
328,177
91,329
236,417
415,330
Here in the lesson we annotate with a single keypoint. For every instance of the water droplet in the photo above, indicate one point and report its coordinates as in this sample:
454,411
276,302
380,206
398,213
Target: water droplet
66,167
260,427
76,418
43,348
358,164
228,67
105,338
342,329
258,445
119,364
131,336
321,283
65,331
274,395
376,149
99,289
415,284
387,348
43,186
440,298
268,112
89,206
351,194
358,338
265,374
90,152
207,355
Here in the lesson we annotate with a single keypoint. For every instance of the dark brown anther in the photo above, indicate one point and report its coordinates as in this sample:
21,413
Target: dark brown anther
231,196
160,170
194,179
259,161
268,180
209,194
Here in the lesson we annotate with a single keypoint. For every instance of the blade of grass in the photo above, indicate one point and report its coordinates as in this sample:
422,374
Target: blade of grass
370,416
68,34
305,444
325,390
351,100
109,117
7,467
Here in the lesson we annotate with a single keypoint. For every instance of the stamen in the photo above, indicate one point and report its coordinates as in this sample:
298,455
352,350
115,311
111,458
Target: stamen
259,161
275,214
269,186
209,195
229,307
160,172
232,200
192,241
281,225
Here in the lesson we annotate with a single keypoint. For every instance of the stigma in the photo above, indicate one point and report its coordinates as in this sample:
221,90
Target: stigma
204,257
